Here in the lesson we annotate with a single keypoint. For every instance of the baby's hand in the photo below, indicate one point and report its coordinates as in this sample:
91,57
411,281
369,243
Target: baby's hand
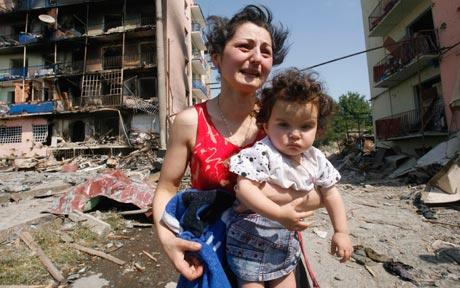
291,218
341,246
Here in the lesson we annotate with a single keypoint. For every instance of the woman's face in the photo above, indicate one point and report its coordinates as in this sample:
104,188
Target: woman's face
247,58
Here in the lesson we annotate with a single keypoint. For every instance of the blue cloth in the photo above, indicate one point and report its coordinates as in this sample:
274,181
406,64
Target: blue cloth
202,216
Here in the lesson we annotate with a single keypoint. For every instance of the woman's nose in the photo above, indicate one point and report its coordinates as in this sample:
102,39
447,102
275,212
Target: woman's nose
256,55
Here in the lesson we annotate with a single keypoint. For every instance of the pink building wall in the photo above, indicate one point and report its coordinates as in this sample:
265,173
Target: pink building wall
446,17
27,148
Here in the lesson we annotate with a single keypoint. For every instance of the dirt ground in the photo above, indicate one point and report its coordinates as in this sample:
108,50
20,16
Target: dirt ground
382,218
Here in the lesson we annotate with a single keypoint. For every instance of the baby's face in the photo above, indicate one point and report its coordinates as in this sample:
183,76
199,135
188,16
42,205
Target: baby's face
292,127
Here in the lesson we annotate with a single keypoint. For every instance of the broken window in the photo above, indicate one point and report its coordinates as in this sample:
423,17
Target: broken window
10,134
78,132
111,57
11,97
39,133
147,87
148,54
112,21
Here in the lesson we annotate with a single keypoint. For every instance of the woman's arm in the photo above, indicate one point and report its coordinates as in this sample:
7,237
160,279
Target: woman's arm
291,215
176,159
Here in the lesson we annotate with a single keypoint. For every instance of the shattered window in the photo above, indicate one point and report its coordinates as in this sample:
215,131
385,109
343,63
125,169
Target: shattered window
10,134
40,133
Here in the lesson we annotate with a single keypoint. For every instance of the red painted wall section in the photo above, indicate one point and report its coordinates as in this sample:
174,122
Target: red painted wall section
446,16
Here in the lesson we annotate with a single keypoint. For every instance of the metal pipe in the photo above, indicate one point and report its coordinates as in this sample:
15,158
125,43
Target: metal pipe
161,71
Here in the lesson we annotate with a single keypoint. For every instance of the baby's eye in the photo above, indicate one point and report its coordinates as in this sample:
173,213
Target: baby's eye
283,125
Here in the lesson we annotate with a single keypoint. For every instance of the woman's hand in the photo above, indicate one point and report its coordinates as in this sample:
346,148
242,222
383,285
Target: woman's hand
185,263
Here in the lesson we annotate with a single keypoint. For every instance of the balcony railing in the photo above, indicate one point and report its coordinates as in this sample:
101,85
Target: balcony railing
38,71
12,73
200,88
9,40
379,12
23,5
199,63
197,36
403,54
114,26
410,123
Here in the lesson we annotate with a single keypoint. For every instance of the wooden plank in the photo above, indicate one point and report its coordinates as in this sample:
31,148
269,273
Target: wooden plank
99,254
28,239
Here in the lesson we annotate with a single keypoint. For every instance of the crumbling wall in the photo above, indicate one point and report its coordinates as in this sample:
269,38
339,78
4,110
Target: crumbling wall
23,137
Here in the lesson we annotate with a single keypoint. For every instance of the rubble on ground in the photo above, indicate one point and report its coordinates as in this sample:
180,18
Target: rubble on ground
401,238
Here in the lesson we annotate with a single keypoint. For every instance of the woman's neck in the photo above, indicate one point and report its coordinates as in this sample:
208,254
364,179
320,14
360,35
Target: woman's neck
236,106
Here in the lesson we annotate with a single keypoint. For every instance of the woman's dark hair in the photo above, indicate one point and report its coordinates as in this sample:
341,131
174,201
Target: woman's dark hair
294,85
220,30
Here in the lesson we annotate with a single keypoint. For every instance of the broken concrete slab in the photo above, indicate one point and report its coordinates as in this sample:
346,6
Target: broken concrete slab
96,225
406,167
15,216
442,153
95,281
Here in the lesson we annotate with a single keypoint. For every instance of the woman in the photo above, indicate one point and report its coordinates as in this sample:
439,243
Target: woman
243,49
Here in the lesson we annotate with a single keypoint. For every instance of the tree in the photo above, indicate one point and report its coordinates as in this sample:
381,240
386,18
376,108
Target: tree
353,114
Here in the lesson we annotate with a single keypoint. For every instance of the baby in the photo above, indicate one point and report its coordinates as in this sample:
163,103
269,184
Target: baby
259,248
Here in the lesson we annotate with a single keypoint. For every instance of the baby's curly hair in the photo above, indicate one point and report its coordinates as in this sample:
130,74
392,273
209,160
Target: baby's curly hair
220,30
294,85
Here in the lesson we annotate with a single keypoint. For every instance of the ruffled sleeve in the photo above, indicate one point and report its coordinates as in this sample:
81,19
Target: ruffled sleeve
327,175
252,163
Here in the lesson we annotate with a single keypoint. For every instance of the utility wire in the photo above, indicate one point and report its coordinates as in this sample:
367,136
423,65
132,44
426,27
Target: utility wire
443,49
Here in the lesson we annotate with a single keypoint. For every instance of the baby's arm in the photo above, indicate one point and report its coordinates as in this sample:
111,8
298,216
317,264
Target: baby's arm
251,195
341,244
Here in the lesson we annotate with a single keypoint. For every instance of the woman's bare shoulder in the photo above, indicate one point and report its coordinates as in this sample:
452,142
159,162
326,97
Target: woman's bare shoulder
187,117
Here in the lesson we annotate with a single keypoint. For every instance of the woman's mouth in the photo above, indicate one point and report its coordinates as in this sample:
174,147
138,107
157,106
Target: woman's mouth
251,72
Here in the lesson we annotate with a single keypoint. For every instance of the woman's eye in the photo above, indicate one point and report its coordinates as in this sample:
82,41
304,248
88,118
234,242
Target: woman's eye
266,53
244,47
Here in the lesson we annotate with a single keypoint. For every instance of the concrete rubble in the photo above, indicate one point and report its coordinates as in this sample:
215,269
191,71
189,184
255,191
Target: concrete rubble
391,219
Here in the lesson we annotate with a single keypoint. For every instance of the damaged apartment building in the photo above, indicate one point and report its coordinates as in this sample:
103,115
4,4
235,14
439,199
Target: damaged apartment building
415,77
79,76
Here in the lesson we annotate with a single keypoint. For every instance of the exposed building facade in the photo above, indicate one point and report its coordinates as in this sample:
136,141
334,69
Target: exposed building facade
87,71
412,78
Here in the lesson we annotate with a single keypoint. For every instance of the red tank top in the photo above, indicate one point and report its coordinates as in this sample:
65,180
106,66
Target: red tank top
209,163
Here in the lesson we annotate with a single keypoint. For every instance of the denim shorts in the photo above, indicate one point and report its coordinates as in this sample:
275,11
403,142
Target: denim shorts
259,249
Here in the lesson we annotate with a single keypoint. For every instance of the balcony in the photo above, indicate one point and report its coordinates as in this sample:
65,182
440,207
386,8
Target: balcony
118,26
199,89
9,74
197,36
406,58
41,71
387,14
197,14
199,64
24,5
409,124
9,40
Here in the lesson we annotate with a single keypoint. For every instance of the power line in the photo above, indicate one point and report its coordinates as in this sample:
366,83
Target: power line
347,56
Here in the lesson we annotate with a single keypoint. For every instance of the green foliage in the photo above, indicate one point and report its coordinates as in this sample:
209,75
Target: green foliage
353,114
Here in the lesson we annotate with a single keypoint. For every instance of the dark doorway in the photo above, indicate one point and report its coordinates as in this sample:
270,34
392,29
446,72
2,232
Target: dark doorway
78,132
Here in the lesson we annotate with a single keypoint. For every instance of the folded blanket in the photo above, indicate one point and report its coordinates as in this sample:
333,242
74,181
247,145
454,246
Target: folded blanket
202,216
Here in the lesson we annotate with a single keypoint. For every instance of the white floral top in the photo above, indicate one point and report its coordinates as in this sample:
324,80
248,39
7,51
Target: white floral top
262,162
